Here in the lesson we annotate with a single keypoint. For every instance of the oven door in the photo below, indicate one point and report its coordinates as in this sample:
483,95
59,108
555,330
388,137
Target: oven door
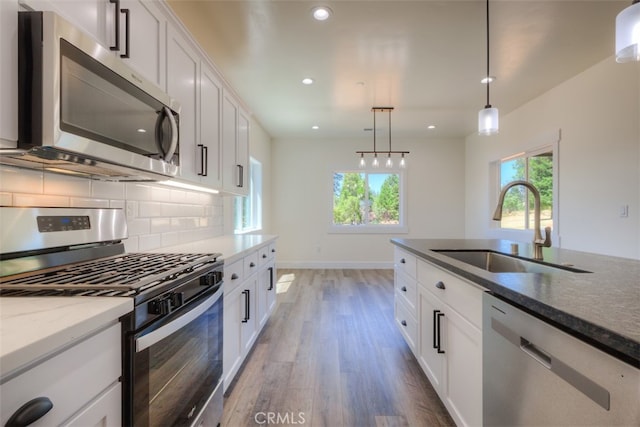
177,365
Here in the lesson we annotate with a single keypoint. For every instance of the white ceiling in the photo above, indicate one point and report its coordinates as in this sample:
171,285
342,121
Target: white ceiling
423,57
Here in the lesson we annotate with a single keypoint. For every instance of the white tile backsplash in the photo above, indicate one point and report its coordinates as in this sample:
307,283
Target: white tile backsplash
157,216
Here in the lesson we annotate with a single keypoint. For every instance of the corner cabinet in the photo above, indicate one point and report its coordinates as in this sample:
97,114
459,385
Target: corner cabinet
249,300
235,146
447,336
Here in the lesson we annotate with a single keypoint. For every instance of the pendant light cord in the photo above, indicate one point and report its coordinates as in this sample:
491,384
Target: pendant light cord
389,132
488,75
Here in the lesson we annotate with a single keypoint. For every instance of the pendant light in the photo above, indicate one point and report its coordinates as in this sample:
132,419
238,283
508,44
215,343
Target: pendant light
375,163
628,33
488,117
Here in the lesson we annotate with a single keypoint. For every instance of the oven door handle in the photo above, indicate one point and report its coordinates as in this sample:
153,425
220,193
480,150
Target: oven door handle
158,335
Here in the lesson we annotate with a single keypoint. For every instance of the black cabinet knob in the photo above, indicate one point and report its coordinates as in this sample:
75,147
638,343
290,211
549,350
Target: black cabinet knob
234,276
440,285
404,289
403,261
404,323
252,264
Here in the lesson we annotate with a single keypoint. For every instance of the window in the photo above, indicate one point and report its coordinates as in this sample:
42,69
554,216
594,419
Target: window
536,167
248,209
367,202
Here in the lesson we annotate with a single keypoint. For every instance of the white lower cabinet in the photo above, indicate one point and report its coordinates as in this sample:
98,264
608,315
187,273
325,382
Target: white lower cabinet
248,303
82,384
447,337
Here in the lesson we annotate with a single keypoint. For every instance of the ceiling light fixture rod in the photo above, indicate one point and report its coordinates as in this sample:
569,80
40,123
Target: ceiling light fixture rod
488,105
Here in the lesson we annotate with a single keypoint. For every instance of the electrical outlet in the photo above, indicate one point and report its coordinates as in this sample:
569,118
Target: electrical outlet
130,209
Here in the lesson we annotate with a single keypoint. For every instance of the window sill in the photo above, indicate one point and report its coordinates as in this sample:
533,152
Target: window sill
247,230
368,229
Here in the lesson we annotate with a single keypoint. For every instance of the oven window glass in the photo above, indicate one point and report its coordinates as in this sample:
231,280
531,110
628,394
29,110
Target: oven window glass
98,104
175,377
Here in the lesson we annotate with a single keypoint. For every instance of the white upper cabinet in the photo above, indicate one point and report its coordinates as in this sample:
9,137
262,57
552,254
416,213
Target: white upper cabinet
9,73
235,147
183,71
209,149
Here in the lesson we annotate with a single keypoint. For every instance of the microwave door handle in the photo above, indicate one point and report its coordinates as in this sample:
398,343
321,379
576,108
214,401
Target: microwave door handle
174,135
159,334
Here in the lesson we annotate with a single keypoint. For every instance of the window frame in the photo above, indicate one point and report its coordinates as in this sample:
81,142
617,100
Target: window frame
401,228
254,198
552,145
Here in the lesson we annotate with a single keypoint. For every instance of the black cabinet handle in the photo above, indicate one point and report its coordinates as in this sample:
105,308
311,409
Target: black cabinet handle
234,276
116,18
270,279
201,148
252,264
126,30
403,261
435,328
440,285
246,305
30,412
404,289
440,316
240,176
403,323
205,156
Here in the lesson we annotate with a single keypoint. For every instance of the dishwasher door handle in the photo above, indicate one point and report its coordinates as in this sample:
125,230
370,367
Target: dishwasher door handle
588,387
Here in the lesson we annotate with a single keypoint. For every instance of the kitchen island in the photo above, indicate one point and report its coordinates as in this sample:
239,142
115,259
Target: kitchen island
600,306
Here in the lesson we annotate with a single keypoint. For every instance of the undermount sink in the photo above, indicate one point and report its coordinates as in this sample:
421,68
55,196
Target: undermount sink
500,263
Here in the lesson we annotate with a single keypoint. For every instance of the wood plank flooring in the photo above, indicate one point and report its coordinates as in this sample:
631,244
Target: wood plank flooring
331,355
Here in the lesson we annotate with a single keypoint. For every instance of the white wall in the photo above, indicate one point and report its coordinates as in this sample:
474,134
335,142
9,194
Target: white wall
598,112
302,183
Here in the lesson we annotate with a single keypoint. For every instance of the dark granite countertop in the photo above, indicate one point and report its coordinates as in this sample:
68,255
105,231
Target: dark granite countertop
601,307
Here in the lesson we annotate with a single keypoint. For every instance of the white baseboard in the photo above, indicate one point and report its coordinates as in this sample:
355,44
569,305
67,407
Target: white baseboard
330,265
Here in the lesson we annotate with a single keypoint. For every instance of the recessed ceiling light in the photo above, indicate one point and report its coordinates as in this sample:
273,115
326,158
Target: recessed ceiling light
142,130
307,81
431,127
321,13
315,127
489,79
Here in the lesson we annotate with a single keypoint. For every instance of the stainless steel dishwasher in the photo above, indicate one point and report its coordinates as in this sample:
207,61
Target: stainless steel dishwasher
535,374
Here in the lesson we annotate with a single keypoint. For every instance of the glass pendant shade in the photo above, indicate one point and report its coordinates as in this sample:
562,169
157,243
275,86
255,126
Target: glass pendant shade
375,162
488,121
628,34
363,163
403,162
389,162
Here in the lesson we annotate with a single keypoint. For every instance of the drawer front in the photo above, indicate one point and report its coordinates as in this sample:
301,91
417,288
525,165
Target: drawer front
463,296
251,263
233,275
264,255
406,323
70,379
272,250
405,262
406,288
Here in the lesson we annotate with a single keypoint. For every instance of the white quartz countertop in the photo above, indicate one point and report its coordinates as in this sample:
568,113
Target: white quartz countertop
33,328
231,247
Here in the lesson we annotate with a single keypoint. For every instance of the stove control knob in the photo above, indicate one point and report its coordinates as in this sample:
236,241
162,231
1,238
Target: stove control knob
159,306
177,299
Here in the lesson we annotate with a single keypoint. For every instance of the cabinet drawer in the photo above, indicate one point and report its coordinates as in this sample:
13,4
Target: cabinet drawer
70,379
405,262
264,256
251,263
233,275
406,288
463,296
406,323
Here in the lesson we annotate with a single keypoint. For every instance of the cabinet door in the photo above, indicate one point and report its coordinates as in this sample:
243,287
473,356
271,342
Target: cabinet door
249,321
463,347
234,305
9,73
230,169
266,293
210,129
432,362
105,411
146,39
272,275
242,152
182,84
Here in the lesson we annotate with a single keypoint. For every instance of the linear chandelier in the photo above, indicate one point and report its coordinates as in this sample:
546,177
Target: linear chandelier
375,163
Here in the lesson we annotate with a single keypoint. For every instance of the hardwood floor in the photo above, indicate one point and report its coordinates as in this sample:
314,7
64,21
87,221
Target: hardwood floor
331,355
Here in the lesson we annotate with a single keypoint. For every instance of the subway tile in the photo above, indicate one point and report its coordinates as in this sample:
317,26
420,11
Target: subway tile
107,189
149,241
138,226
194,197
160,225
136,191
40,200
86,202
150,209
131,244
15,180
6,199
171,238
160,194
117,204
179,196
66,185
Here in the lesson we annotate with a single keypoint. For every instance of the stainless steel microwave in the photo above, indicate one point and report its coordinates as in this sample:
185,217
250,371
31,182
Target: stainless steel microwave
82,110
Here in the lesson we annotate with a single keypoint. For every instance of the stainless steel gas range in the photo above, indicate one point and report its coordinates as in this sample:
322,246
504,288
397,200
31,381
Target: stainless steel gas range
172,360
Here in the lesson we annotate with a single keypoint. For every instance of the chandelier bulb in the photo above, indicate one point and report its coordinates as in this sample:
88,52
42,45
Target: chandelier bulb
389,162
375,162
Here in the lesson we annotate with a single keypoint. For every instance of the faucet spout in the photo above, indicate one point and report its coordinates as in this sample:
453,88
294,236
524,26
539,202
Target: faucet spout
538,241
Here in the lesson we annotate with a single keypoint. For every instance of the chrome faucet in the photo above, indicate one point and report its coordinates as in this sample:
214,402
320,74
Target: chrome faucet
538,241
